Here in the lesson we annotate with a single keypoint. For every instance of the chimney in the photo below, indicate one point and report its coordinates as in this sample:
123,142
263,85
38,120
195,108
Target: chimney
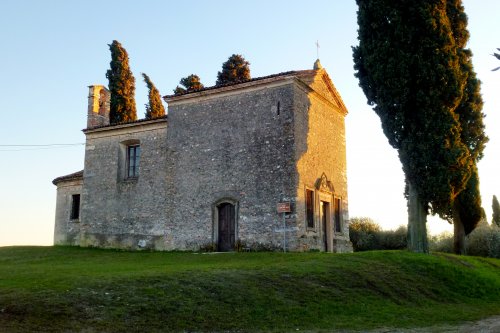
98,109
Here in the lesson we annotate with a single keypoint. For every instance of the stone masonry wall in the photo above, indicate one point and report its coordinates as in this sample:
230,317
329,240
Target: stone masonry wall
121,212
320,150
239,147
254,144
66,230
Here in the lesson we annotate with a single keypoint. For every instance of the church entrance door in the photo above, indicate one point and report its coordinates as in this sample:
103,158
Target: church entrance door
227,230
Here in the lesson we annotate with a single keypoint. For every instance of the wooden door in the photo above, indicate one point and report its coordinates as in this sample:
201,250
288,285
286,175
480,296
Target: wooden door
324,223
227,230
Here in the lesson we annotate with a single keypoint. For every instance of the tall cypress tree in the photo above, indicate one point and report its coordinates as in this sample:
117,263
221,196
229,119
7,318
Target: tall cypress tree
121,86
466,209
235,69
409,69
155,108
496,212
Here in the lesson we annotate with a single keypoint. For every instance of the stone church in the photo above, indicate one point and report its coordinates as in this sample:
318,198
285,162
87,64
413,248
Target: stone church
255,165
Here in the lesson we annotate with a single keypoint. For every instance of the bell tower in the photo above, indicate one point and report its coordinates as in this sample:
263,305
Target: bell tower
98,106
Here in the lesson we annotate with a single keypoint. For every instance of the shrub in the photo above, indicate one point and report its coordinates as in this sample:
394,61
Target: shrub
441,243
362,233
392,239
365,235
484,241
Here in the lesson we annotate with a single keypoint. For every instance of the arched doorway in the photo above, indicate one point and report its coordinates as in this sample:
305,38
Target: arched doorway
226,226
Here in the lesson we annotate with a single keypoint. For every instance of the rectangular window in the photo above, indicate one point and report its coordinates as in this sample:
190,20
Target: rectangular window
133,156
310,208
75,207
338,221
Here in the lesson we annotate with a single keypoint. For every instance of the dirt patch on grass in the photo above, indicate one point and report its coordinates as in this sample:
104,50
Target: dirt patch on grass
487,325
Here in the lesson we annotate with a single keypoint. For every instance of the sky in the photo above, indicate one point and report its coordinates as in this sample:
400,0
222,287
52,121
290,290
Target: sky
52,50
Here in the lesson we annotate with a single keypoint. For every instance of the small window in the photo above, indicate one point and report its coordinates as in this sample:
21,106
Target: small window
133,157
338,221
310,208
75,207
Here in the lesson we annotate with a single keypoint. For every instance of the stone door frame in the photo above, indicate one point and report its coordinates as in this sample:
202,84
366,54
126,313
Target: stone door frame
215,218
327,198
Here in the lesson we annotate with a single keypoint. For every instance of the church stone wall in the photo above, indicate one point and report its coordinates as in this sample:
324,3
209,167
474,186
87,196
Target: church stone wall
320,151
120,211
252,145
66,230
236,147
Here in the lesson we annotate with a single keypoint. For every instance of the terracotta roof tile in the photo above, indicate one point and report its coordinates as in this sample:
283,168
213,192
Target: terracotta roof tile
244,81
72,176
125,123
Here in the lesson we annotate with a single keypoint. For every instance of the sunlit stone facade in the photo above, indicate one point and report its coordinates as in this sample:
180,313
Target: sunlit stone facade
211,174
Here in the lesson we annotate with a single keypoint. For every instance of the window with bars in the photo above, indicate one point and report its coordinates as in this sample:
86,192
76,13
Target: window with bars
133,157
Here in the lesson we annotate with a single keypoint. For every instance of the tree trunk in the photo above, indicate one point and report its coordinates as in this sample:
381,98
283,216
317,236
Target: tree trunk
458,232
417,220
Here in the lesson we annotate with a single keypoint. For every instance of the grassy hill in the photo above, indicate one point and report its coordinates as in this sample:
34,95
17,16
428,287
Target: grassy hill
54,289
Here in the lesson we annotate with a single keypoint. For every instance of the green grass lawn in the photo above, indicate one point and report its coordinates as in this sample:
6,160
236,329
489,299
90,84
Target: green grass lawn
64,289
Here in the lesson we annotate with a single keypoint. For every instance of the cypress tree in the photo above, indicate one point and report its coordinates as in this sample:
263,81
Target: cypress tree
496,212
467,212
408,66
155,108
121,86
179,90
235,69
466,209
189,83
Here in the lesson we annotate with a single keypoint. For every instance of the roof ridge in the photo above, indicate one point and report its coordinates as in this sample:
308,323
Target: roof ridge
125,123
241,82
72,176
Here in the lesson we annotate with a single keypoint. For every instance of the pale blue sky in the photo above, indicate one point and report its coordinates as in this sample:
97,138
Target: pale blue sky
52,50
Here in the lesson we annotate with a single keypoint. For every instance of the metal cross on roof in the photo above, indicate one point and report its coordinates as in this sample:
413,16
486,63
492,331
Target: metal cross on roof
317,49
